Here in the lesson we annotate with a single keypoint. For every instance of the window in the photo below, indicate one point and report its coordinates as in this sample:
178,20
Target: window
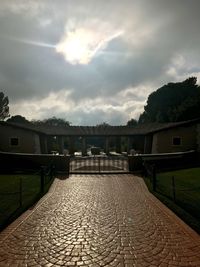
14,141
176,141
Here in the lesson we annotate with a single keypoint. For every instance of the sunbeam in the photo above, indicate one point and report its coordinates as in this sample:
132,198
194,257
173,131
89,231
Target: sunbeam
28,42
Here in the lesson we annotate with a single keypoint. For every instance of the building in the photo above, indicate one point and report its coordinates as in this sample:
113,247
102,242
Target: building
20,139
177,137
144,138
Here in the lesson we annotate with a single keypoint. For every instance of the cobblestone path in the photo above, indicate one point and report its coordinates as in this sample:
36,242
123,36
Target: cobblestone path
99,220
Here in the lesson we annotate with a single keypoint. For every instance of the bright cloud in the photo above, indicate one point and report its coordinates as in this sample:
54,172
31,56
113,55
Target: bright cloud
94,110
80,45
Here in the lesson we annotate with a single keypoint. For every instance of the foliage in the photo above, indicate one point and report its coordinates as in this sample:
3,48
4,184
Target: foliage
54,121
4,108
18,119
173,102
132,122
103,124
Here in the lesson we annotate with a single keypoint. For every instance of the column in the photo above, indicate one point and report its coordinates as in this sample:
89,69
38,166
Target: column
84,149
128,144
118,144
107,145
71,145
60,144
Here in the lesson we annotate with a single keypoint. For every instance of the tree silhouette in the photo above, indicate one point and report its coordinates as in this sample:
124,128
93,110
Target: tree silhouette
18,119
54,121
132,122
173,102
103,124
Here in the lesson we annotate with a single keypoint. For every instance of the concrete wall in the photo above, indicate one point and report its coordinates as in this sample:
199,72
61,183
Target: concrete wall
29,142
20,162
164,161
163,141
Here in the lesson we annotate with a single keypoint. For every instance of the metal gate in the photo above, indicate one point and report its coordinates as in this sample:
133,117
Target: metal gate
99,164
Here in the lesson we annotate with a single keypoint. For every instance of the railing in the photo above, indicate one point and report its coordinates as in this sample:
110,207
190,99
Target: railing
18,191
164,161
178,186
99,164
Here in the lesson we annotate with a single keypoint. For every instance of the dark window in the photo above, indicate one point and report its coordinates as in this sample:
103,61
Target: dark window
14,141
176,141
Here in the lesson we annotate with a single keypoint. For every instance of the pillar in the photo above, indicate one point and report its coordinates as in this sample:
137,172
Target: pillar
60,144
71,145
128,144
107,145
84,149
118,144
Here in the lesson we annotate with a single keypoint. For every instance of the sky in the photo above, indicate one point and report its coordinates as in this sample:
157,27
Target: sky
94,61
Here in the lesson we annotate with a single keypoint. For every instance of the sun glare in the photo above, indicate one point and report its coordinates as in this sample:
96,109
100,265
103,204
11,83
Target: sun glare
76,48
81,45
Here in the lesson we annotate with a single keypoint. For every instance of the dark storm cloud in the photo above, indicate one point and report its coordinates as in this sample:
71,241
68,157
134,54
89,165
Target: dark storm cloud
154,42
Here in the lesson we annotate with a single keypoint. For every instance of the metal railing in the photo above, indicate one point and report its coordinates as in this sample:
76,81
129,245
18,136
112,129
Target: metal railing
176,188
99,164
18,191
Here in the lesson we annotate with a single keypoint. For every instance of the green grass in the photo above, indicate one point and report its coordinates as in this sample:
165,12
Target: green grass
10,197
187,194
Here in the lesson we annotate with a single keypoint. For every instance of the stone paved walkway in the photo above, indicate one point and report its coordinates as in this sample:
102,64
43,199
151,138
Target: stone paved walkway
107,220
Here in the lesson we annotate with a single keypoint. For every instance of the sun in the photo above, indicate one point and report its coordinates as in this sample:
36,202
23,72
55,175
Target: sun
81,45
76,47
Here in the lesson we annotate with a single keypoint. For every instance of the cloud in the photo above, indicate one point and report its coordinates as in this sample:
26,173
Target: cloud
25,7
126,50
94,111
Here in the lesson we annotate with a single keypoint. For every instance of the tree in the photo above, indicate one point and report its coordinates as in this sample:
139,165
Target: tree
18,119
53,121
132,122
4,108
103,124
173,102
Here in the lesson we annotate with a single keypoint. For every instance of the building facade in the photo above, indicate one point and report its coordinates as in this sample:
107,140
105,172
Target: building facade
19,140
143,139
177,138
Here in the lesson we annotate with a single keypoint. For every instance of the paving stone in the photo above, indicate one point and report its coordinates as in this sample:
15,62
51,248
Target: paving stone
99,220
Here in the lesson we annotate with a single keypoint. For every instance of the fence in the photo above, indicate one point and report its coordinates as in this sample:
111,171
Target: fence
99,164
164,161
182,187
18,191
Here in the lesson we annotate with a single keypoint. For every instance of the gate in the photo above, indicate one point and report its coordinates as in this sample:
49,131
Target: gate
99,164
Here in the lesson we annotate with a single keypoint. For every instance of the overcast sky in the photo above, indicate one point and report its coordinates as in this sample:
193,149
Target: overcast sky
93,61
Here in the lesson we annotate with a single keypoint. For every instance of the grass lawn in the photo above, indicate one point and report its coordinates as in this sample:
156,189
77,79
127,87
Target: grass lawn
10,195
187,193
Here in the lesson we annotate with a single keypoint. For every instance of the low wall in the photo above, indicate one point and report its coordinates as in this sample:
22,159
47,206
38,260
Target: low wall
164,161
20,162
